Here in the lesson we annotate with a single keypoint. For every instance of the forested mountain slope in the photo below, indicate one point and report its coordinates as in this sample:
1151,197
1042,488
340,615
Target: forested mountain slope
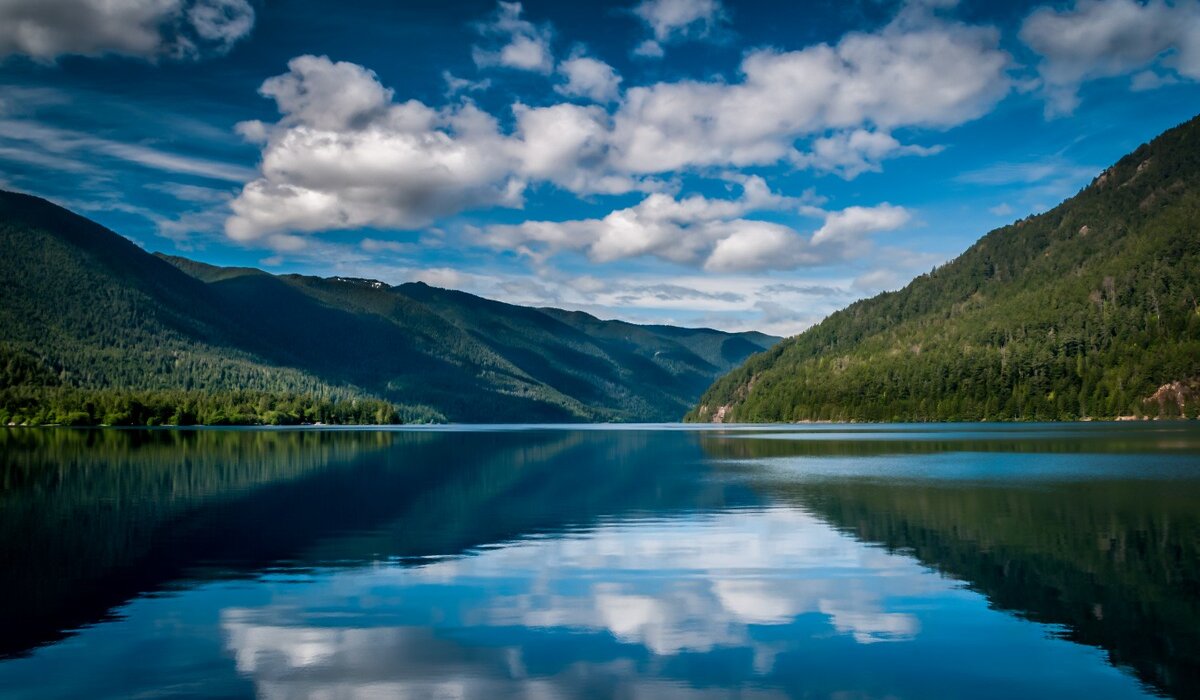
1086,311
93,329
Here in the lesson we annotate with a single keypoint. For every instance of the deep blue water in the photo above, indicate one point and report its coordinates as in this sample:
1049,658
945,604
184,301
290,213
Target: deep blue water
904,561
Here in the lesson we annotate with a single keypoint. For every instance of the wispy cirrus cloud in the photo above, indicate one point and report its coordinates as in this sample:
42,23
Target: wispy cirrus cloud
64,149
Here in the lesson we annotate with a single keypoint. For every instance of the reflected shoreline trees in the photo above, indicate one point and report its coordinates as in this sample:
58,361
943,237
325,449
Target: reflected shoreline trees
94,519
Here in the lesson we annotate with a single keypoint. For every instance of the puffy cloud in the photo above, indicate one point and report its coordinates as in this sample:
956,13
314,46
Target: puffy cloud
1106,38
710,233
46,29
524,46
321,94
344,155
911,73
566,144
852,153
669,19
590,78
678,230
756,245
853,223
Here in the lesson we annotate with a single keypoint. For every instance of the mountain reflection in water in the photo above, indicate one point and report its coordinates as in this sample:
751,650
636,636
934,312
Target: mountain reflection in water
908,561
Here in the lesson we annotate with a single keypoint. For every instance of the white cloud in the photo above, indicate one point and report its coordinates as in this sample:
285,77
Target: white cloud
374,245
913,72
852,153
567,144
853,223
648,49
673,19
782,302
1149,80
191,193
48,145
590,78
43,159
894,268
222,22
757,245
344,155
523,45
733,572
1028,173
321,94
880,279
1002,209
46,29
189,229
456,85
1106,38
697,231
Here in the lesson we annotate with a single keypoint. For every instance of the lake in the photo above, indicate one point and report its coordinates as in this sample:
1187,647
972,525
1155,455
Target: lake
901,561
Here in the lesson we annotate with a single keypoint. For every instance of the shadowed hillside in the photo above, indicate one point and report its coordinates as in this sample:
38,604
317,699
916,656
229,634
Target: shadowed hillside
95,330
1089,310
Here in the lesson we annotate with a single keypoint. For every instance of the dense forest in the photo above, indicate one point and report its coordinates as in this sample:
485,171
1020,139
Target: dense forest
81,407
1089,310
94,330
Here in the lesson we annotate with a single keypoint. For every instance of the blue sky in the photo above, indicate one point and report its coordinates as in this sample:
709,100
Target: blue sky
742,165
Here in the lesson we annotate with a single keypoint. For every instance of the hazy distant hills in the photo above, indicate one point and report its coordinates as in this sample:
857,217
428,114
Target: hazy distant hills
1087,310
85,310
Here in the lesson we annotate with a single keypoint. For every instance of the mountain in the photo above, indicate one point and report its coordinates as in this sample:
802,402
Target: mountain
1086,311
94,329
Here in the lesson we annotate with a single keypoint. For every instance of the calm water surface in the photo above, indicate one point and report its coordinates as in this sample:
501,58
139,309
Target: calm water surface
643,562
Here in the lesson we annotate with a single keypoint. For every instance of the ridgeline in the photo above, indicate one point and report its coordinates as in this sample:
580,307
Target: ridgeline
94,330
1086,311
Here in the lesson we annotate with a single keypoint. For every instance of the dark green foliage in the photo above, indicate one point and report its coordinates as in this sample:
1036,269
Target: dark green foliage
82,407
89,320
1087,311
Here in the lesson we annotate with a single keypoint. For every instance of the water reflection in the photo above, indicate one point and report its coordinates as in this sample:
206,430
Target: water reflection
759,600
93,518
598,563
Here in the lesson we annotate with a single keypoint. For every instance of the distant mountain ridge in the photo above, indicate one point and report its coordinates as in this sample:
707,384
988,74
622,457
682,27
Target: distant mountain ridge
88,311
1086,311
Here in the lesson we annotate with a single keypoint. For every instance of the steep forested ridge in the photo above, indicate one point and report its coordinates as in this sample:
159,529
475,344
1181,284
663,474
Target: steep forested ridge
95,330
1086,311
